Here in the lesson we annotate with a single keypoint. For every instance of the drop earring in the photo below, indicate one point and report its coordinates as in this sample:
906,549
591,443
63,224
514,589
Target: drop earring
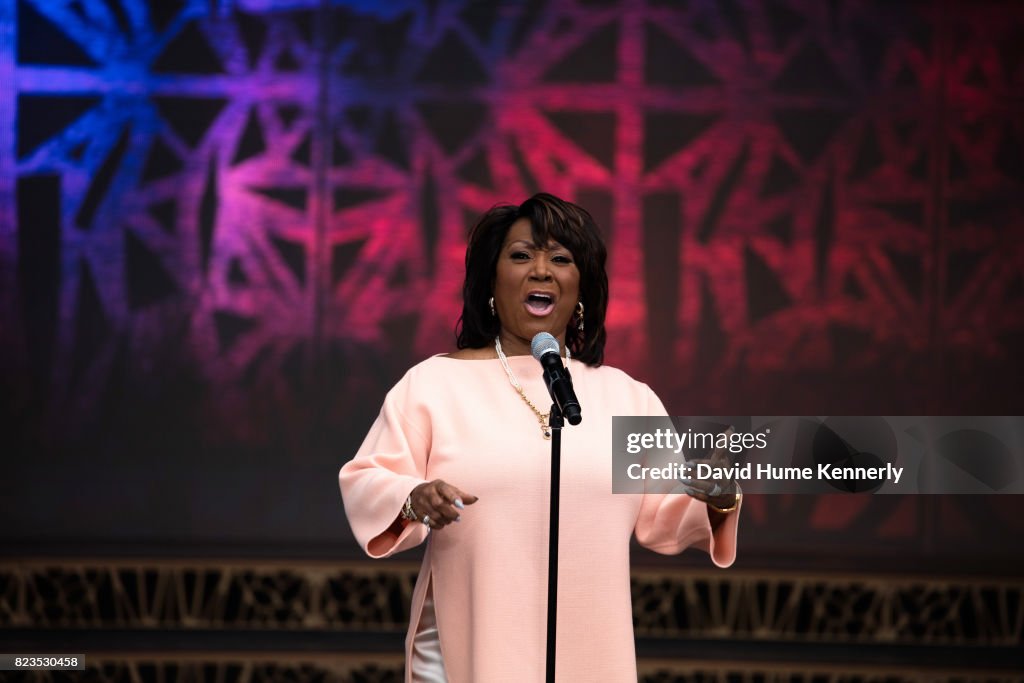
490,302
579,314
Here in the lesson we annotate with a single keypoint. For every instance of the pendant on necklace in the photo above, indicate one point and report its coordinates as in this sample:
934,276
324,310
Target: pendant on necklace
545,428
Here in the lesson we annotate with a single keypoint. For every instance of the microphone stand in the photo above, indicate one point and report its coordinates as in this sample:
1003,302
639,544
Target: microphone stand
555,422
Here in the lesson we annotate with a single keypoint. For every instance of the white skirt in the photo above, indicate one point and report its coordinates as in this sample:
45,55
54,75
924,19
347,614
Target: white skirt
427,665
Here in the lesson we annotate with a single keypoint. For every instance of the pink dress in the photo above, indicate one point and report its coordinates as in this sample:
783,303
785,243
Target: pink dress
461,421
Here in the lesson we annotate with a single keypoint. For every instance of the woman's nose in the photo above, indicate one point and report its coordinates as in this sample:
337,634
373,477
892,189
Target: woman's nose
541,271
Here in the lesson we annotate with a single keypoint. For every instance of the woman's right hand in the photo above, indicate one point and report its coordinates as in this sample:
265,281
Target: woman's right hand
441,502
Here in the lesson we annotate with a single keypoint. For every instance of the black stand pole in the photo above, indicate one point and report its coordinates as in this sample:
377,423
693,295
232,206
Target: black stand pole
555,422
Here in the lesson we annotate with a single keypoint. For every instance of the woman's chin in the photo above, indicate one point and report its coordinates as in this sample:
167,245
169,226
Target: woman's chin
535,326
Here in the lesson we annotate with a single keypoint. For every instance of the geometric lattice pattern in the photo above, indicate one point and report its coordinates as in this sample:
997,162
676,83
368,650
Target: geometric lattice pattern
691,626
858,609
196,596
777,606
226,227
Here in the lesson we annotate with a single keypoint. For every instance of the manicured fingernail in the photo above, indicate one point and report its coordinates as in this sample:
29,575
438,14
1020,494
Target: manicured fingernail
459,518
458,504
690,490
686,481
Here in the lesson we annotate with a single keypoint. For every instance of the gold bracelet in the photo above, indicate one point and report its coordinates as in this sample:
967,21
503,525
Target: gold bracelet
735,504
407,512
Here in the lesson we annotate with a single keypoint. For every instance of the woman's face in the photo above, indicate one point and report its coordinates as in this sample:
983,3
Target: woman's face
536,288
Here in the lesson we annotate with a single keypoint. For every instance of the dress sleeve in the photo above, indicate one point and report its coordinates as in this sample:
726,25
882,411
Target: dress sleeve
391,462
668,523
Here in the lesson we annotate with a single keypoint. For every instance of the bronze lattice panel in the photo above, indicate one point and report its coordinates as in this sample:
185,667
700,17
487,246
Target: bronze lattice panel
906,610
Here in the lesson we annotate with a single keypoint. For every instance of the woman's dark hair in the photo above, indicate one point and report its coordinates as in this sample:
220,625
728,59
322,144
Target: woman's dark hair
550,219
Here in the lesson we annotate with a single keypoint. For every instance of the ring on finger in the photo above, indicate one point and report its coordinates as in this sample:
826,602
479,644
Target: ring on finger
427,521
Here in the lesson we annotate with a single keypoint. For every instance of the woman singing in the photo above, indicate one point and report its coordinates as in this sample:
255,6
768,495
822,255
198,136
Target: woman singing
460,457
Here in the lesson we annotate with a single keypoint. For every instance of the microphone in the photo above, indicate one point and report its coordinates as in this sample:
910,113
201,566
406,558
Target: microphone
544,348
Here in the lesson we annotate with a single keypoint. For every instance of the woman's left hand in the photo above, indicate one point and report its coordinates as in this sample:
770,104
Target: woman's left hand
721,492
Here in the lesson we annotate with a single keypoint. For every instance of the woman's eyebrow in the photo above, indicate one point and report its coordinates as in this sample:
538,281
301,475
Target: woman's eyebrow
552,245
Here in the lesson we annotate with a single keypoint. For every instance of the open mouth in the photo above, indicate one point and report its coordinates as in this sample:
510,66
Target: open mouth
540,303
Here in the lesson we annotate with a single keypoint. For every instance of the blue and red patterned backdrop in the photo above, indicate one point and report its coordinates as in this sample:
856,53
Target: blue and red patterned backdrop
227,226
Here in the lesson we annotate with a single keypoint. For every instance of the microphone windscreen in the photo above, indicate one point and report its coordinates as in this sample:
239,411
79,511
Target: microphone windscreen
543,342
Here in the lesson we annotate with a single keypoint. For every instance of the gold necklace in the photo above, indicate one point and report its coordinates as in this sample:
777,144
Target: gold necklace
543,418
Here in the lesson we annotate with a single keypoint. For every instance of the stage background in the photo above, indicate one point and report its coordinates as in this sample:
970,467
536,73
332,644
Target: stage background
228,226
